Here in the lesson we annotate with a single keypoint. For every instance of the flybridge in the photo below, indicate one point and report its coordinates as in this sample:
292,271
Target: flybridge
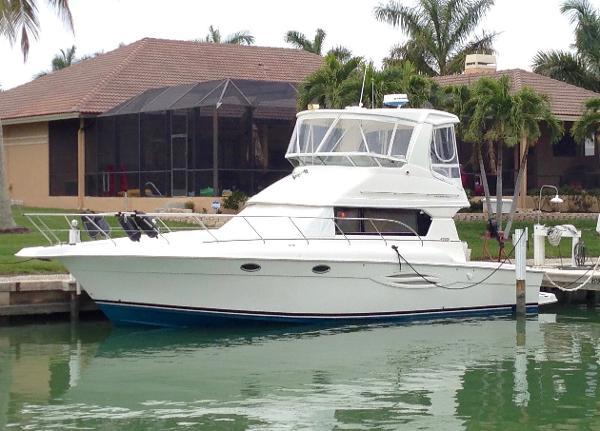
350,138
389,138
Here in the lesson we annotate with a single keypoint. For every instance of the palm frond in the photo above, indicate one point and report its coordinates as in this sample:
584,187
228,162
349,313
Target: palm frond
63,11
413,53
465,20
317,44
64,58
409,19
341,53
438,31
240,38
566,67
213,36
588,124
297,39
577,10
19,18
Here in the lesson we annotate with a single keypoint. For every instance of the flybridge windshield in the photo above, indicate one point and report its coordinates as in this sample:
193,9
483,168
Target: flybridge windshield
350,141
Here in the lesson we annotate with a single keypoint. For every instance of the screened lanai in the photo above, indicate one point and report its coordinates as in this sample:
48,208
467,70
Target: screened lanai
192,140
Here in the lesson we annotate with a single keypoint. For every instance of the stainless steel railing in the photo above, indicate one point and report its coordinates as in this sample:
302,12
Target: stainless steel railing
172,222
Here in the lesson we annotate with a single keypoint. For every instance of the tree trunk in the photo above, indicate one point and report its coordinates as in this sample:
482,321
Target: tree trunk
499,187
520,175
6,218
486,187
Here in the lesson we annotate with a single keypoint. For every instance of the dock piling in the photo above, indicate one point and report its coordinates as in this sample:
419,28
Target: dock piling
520,243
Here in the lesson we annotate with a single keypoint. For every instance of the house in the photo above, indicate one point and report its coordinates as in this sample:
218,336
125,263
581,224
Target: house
565,162
50,124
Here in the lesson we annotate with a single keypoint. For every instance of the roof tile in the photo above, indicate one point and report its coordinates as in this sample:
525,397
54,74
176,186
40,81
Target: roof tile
100,83
566,100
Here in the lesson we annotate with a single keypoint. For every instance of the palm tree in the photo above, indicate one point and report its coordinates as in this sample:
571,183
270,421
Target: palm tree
440,33
502,119
588,125
491,122
332,85
529,109
460,101
61,60
341,53
582,67
299,40
19,19
239,38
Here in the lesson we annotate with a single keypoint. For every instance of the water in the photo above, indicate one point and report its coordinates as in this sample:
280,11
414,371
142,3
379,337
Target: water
453,375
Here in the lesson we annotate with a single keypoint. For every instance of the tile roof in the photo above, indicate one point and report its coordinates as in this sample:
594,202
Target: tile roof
100,83
566,100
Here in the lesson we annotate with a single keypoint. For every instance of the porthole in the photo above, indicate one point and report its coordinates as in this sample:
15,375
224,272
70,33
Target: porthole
321,269
250,267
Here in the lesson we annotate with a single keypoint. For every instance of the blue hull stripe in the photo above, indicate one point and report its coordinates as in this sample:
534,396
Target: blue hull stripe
167,315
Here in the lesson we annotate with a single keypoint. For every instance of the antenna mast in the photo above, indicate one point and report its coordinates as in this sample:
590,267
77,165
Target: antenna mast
363,88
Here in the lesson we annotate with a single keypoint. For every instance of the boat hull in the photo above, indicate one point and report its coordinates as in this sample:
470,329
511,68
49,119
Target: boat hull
180,291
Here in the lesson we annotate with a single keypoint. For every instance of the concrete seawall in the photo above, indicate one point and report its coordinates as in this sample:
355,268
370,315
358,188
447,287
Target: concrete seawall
29,295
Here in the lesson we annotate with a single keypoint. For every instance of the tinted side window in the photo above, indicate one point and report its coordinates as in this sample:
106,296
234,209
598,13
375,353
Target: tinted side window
390,222
385,221
345,220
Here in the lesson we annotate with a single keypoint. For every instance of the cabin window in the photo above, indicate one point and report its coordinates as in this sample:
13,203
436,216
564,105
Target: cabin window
348,220
350,141
444,158
385,221
310,134
401,140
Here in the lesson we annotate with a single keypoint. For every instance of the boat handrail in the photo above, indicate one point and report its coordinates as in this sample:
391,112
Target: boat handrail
348,155
199,222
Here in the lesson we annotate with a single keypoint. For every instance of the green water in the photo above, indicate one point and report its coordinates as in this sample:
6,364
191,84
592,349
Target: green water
496,374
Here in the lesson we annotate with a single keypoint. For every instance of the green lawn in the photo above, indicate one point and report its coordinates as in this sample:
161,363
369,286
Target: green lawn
471,232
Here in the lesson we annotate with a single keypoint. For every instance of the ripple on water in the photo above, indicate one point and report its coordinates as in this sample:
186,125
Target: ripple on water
458,374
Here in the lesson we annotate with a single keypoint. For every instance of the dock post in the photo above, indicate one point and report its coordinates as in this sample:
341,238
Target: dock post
591,298
74,301
520,243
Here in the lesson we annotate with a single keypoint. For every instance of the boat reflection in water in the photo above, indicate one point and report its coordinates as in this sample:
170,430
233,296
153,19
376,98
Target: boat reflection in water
447,375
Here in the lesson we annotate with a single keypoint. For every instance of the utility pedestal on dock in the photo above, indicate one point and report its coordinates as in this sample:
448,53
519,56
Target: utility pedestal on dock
520,243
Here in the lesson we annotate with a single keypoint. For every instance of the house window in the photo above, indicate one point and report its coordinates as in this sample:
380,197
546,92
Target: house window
385,221
589,148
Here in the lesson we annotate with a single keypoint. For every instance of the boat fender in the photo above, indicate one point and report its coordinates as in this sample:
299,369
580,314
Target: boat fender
95,226
145,224
129,226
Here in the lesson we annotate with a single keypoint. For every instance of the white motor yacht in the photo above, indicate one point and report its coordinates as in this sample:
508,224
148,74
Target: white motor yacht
362,229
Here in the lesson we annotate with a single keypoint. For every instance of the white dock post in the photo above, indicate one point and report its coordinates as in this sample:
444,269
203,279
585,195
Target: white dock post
520,243
539,245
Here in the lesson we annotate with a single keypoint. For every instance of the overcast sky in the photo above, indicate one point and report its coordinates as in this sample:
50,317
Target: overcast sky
526,26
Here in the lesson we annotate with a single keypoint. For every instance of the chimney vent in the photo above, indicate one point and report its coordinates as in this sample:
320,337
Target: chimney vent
480,63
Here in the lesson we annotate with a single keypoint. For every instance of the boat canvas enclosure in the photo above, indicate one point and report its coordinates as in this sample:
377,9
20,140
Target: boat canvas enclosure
192,139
